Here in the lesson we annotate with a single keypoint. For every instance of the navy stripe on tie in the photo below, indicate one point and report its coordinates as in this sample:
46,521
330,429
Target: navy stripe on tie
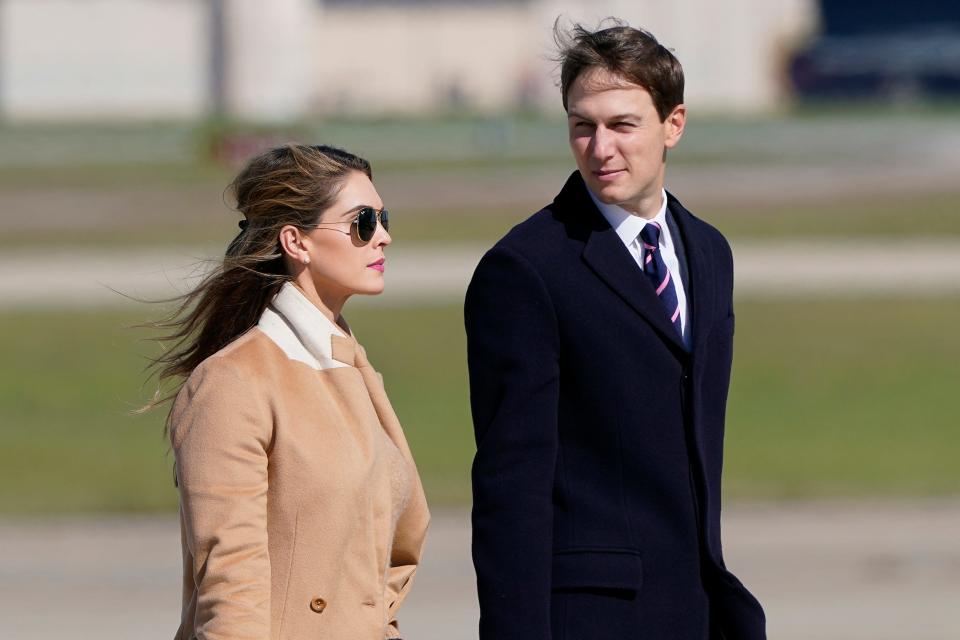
656,271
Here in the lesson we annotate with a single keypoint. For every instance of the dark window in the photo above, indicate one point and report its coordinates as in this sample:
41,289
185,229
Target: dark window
851,17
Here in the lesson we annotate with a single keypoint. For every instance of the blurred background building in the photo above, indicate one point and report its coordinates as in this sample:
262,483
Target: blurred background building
289,59
882,51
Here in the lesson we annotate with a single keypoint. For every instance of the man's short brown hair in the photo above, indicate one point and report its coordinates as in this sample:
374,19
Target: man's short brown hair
632,54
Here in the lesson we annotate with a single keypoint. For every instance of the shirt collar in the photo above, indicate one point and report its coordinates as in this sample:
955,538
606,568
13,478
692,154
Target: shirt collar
628,225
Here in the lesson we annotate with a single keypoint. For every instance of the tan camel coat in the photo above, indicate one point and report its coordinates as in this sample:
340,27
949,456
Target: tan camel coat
302,513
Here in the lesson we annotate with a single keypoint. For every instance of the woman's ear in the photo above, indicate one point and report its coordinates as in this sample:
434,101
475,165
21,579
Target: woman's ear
292,243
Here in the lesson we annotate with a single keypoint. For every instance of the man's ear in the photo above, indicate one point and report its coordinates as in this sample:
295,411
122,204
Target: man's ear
675,123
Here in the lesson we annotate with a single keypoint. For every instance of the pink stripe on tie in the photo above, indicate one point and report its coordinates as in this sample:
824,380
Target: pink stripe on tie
663,285
676,314
656,224
649,246
649,259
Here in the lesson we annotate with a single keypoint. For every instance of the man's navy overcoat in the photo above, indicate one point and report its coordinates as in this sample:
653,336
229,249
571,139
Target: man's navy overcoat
596,481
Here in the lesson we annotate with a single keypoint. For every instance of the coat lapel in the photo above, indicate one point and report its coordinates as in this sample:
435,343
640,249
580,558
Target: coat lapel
700,286
611,261
344,349
605,254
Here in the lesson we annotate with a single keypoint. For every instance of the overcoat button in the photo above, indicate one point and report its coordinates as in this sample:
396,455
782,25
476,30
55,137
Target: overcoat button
317,605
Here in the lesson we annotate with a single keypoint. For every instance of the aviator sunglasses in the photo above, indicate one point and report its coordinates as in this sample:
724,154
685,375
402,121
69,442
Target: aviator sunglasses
365,223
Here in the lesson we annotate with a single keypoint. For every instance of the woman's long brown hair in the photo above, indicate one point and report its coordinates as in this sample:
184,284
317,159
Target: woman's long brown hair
289,185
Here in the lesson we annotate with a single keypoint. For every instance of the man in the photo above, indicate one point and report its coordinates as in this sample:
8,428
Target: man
600,343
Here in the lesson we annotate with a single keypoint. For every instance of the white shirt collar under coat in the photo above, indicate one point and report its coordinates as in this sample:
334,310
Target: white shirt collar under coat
628,225
300,329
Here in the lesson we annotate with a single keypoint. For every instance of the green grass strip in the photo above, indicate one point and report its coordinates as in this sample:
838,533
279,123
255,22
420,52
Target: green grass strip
829,399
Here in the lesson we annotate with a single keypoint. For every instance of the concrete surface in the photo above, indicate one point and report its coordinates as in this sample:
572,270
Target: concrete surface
810,267
824,571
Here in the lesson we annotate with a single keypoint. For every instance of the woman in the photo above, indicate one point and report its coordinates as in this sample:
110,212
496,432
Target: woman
302,514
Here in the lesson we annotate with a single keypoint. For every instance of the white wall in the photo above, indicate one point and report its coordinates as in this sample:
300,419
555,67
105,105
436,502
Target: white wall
269,58
401,60
407,60
102,59
286,59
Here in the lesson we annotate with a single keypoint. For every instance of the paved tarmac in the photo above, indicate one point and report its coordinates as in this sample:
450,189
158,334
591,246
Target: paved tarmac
817,176
879,570
440,274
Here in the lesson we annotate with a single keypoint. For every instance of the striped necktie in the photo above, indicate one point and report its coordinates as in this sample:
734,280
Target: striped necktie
656,270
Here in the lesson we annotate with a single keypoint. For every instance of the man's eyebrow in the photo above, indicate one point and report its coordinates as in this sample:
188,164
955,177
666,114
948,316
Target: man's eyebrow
619,116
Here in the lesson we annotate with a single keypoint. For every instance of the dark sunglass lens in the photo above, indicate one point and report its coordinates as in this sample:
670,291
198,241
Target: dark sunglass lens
385,219
366,223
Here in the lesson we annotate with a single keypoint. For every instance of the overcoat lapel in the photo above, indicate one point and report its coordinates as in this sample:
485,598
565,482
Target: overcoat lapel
344,349
381,404
611,261
605,254
700,286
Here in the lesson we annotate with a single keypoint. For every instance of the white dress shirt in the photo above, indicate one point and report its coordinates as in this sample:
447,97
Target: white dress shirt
628,227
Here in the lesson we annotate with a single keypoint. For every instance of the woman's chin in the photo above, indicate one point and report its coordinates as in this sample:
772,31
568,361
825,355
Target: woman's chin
372,288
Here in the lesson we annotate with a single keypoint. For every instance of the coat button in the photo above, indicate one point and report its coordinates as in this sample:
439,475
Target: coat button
317,605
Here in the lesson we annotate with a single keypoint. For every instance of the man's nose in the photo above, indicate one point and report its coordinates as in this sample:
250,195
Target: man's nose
602,146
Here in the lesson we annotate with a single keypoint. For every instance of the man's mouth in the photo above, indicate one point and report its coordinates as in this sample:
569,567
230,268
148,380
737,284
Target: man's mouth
606,175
